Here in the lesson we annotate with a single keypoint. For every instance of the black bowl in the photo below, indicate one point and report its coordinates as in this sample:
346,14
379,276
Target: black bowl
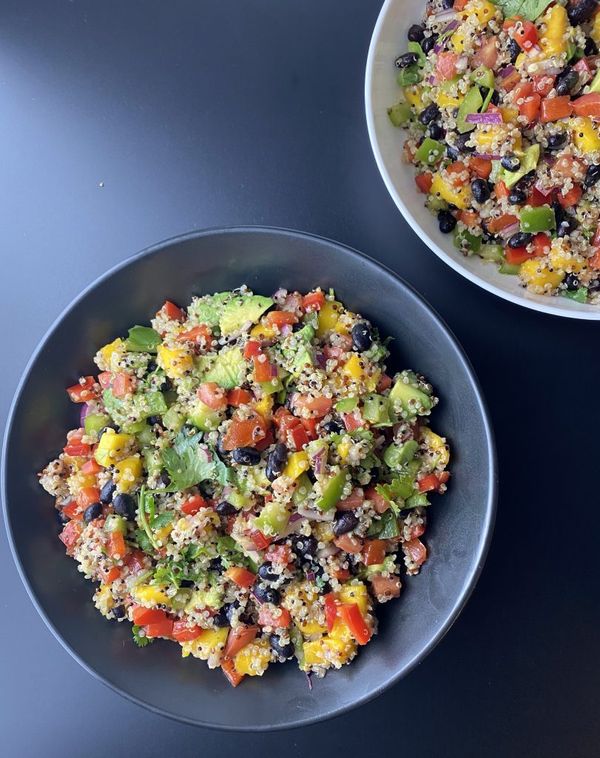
265,259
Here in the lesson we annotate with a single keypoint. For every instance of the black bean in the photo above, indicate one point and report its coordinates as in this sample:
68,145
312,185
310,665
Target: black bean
520,239
276,461
119,612
266,594
428,43
215,564
446,222
557,140
566,226
246,456
362,339
591,48
92,512
452,152
186,583
151,367
481,190
220,619
580,11
225,509
517,196
435,131
154,421
281,650
124,505
416,33
229,609
511,163
429,114
495,99
447,4
461,143
408,59
514,50
164,478
572,282
166,385
592,175
107,492
266,572
305,546
333,427
345,522
566,81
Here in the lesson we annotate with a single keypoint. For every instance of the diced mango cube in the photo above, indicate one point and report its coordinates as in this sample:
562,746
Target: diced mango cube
264,406
353,367
253,659
437,444
209,645
413,94
355,593
112,447
109,350
555,39
296,464
585,135
262,331
458,196
329,315
539,277
175,362
128,472
151,594
332,649
483,10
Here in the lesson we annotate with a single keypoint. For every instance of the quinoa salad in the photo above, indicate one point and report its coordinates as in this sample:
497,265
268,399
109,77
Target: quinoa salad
501,103
248,481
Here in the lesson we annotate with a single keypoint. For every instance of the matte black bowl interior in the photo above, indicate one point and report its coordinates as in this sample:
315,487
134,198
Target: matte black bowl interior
461,522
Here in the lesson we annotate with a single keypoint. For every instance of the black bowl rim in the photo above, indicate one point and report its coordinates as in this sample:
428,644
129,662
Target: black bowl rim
491,500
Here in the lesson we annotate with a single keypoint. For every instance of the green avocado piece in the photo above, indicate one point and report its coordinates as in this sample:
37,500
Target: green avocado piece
376,410
529,161
297,350
228,369
406,396
396,456
203,417
207,309
242,309
174,418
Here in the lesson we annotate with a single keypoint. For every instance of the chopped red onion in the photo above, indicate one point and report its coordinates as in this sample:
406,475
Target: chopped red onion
280,294
85,409
286,329
293,526
506,71
327,551
321,360
484,118
295,517
508,231
311,576
317,461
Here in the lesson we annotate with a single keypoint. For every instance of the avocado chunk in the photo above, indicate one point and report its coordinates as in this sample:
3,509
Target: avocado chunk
228,369
130,410
297,350
203,417
242,310
529,161
408,397
377,410
396,456
207,309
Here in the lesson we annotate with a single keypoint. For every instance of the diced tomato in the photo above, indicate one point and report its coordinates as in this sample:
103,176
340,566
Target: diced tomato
314,301
240,576
536,198
261,542
330,610
310,427
522,90
267,440
351,616
91,467
424,182
568,167
341,574
457,172
197,335
252,349
496,225
354,500
445,67
143,616
587,105
113,573
123,384
459,5
374,552
596,238
468,218
72,509
193,504
105,379
481,166
238,638
77,450
416,551
514,256
239,397
353,420
501,191
184,633
571,198
228,668
487,55
83,391
555,108
530,108
299,436
135,560
212,395
264,371
245,432
280,554
384,383
275,617
280,318
543,84
88,495
116,546
317,406
584,70
349,544
385,587
160,629
431,481
594,261
541,244
70,535
379,502
172,311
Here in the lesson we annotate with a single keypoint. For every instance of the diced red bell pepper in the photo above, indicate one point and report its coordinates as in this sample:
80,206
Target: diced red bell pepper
172,311
571,198
274,617
116,546
525,35
514,256
541,244
182,632
91,467
416,551
351,616
113,573
424,182
261,542
468,218
238,638
431,481
252,349
330,610
594,261
228,668
537,199
70,535
341,574
105,379
496,225
245,432
239,397
353,421
193,504
374,552
521,91
587,105
280,318
83,391
162,628
310,427
481,166
508,83
212,395
299,436
555,108
123,384
530,108
313,301
501,191
77,450
88,495
197,335
240,576
543,84
72,509
317,406
143,616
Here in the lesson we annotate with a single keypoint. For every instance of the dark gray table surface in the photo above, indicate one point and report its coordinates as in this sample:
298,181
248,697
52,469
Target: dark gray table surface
123,122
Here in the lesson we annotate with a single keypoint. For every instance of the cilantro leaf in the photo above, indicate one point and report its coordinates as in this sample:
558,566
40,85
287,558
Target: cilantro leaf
529,9
386,528
188,462
140,640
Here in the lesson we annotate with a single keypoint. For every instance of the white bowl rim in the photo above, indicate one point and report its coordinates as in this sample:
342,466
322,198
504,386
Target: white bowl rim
550,308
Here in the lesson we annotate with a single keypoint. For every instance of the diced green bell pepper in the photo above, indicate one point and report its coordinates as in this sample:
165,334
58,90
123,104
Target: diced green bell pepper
491,253
303,490
430,152
539,219
483,76
579,295
272,519
400,114
332,492
466,240
115,523
509,268
471,104
95,422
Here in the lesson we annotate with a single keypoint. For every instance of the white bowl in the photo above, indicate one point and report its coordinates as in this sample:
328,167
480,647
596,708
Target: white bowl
381,90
